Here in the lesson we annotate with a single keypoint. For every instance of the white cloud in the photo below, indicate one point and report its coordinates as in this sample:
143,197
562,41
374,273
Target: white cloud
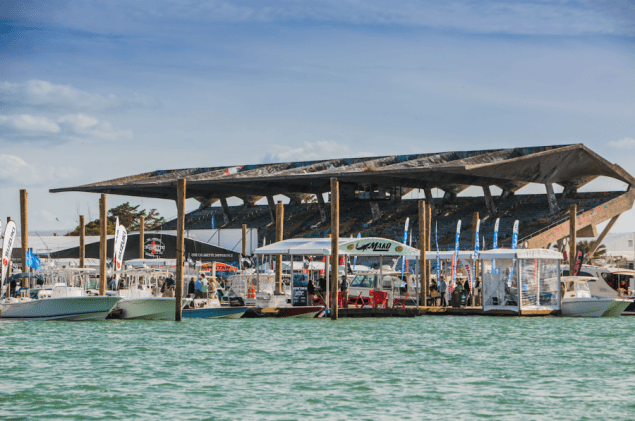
27,127
14,171
44,94
626,143
322,149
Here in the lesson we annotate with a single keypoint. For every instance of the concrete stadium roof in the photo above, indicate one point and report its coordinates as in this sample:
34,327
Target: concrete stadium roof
571,166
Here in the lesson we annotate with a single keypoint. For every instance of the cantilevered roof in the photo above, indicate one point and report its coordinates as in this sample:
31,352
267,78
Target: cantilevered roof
510,169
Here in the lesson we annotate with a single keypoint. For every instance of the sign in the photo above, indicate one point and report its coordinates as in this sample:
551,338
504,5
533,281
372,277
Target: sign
153,247
121,238
578,262
300,290
7,247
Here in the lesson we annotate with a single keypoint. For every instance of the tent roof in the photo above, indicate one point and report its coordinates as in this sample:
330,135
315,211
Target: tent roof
347,246
520,254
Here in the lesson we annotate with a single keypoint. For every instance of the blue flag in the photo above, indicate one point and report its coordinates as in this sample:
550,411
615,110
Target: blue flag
212,221
32,260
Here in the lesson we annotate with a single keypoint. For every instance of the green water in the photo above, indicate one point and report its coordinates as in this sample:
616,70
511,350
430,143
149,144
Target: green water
424,368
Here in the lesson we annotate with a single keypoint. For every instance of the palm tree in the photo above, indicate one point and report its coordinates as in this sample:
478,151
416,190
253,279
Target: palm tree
585,245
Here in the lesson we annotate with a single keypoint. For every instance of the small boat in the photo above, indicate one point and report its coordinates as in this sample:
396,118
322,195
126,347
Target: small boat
60,300
578,301
139,300
301,312
207,308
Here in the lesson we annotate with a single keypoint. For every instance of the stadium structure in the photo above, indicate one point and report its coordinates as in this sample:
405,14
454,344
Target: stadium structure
372,191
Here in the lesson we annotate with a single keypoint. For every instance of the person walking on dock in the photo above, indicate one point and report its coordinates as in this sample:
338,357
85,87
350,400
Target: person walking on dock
442,290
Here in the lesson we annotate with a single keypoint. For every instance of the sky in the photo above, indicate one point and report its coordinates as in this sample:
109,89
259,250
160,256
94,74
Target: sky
95,90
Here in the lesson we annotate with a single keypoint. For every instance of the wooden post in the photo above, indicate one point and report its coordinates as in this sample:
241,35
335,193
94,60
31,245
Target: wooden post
180,245
244,241
9,266
279,237
573,210
103,232
142,234
82,242
423,281
335,240
24,219
428,234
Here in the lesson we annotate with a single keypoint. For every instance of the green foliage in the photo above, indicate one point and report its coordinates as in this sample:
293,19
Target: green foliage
129,216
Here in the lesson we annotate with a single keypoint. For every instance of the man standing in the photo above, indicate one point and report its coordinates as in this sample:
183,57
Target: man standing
204,282
442,289
344,289
198,289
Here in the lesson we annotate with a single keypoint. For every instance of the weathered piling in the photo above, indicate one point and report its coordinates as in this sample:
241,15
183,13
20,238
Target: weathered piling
180,245
244,244
335,239
423,283
82,242
103,231
279,235
573,209
24,220
142,231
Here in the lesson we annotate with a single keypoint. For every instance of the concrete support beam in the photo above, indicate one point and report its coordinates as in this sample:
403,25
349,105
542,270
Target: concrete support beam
374,210
272,208
429,199
594,245
321,206
551,196
226,215
489,202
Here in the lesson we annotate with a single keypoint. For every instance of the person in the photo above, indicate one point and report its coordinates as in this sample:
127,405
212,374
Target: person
205,285
310,288
466,288
442,291
213,286
198,289
190,287
322,286
344,289
112,284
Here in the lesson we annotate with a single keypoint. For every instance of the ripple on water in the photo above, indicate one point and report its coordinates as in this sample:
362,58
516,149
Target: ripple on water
428,367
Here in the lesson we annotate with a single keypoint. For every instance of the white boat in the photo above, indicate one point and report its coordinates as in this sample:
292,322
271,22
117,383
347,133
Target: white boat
578,301
60,300
140,298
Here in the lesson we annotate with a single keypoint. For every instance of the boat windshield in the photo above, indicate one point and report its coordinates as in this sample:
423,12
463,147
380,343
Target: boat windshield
363,281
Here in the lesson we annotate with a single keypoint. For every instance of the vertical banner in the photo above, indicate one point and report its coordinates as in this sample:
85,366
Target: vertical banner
578,262
359,235
405,240
213,221
468,270
495,244
121,238
515,236
476,240
10,233
455,258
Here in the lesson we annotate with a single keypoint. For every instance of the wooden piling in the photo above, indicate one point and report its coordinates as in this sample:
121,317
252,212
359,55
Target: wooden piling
103,232
428,234
180,245
573,210
335,240
24,220
423,281
244,241
82,242
279,237
142,233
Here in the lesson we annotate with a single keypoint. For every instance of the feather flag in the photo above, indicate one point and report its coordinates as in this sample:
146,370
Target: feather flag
455,257
405,239
495,245
436,241
476,240
515,236
10,233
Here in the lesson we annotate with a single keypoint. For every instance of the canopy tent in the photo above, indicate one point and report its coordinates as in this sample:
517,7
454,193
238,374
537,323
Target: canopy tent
520,254
347,246
447,255
219,266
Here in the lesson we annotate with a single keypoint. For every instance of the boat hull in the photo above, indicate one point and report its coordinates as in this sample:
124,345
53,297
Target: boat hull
67,308
302,312
214,313
592,307
150,308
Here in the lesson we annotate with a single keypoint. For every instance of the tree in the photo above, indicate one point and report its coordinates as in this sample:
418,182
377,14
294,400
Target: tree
129,216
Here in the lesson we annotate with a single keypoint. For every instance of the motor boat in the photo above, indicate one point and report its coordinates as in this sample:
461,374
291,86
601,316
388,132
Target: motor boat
140,298
60,297
578,300
210,308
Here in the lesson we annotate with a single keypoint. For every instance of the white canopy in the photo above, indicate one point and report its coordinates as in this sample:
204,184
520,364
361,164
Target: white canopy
520,254
447,255
347,246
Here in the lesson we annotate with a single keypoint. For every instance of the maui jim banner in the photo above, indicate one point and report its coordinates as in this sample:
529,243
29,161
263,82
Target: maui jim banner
375,246
7,248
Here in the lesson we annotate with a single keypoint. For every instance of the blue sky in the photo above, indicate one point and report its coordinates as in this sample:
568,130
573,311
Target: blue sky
96,90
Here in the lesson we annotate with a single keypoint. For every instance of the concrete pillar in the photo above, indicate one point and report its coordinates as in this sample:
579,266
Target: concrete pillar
321,206
489,202
226,215
551,197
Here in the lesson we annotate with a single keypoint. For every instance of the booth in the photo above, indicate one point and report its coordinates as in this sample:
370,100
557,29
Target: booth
521,281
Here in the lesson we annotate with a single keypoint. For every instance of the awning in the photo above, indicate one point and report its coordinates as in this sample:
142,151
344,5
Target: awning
347,246
520,254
